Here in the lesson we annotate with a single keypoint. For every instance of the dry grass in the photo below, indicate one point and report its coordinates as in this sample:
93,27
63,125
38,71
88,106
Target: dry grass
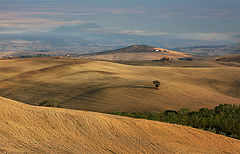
108,87
137,56
136,52
25,128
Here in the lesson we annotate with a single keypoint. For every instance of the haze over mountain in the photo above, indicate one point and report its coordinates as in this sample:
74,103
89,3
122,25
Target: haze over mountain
89,26
77,28
212,50
89,37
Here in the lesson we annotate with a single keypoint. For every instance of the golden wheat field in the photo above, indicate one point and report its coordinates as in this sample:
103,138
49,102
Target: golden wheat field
31,129
106,86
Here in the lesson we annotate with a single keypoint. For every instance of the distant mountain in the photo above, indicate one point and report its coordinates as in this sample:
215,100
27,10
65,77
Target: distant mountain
77,28
91,37
212,50
95,33
229,58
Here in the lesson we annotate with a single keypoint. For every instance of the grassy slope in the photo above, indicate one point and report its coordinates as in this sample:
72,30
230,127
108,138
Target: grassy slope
25,128
136,52
108,87
139,56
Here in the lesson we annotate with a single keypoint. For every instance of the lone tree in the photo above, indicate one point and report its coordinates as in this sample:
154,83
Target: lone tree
156,84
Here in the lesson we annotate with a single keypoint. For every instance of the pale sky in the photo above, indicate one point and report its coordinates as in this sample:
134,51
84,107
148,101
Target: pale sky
203,19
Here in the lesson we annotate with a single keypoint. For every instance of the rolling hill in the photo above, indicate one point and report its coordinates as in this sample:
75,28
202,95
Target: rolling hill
108,87
31,129
212,50
229,58
136,52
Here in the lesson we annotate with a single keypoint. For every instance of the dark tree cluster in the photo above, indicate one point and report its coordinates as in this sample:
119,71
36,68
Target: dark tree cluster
50,103
223,119
156,84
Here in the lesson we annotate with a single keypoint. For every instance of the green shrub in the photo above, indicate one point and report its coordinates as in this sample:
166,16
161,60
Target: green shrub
156,84
50,103
223,119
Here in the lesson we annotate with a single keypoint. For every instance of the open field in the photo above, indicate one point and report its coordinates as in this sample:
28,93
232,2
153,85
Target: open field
110,87
25,128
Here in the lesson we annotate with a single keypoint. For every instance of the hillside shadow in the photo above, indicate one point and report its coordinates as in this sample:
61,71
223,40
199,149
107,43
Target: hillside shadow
142,87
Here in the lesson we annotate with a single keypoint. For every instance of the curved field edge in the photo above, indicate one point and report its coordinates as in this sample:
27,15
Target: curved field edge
100,86
25,128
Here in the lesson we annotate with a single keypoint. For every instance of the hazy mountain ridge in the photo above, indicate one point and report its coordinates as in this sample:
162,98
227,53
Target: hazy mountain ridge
212,50
72,38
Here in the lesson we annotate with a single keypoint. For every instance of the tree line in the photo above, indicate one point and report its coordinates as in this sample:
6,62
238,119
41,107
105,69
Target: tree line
223,119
